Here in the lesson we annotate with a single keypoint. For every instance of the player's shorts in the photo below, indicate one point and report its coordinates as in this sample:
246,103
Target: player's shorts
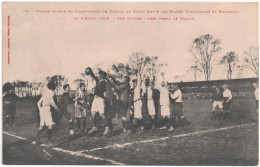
138,109
45,116
226,106
98,106
165,111
217,103
151,107
80,111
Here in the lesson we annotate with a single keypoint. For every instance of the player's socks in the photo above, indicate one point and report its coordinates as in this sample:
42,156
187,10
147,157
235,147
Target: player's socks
7,120
213,114
172,122
124,125
229,115
49,133
71,125
141,125
78,124
11,121
135,125
38,135
153,123
84,122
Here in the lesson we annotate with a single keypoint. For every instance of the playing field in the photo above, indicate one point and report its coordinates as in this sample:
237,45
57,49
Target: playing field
203,142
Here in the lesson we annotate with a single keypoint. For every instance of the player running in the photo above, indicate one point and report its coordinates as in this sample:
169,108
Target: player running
44,105
64,101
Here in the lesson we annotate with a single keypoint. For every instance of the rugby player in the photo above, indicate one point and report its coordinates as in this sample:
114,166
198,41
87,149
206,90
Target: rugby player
44,105
80,108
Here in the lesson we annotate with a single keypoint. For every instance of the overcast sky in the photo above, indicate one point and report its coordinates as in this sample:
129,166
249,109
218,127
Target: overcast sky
47,44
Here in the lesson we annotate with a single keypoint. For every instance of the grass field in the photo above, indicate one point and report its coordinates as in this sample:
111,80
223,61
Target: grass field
203,142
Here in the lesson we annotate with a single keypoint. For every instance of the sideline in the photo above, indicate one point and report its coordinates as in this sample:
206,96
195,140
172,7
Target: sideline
70,152
114,146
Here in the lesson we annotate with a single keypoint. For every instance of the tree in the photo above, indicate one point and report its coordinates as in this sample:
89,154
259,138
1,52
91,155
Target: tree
252,59
59,80
203,49
240,70
119,70
229,61
145,66
154,69
195,70
178,78
77,82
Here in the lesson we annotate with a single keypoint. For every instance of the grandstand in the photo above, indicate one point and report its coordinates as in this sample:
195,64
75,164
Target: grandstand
203,89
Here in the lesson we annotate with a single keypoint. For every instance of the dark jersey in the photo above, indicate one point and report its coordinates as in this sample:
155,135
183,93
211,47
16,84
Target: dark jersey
65,100
101,88
217,96
9,103
123,91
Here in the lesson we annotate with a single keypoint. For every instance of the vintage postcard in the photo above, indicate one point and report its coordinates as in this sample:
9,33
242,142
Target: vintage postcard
130,83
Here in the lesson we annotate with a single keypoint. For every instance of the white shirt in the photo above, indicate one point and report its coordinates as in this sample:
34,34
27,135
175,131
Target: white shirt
47,99
177,95
90,84
149,93
164,97
227,93
80,95
257,93
137,94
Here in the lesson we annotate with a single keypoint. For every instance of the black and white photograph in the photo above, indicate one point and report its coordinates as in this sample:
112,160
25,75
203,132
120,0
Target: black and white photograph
130,83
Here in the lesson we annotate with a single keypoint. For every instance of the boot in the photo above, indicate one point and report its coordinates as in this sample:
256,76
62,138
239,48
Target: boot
170,129
94,129
164,127
37,137
106,132
213,115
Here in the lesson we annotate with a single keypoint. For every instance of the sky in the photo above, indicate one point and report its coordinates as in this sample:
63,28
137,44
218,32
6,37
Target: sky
45,44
